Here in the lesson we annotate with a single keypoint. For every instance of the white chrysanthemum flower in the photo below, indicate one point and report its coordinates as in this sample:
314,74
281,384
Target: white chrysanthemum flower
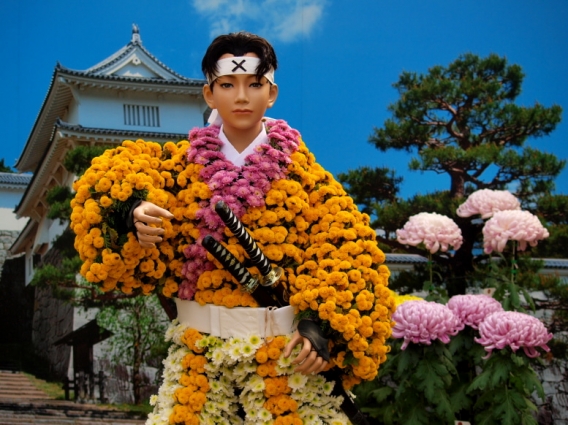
247,350
234,353
255,398
521,226
284,362
250,366
207,419
258,402
318,380
252,414
264,415
170,331
226,373
318,401
177,333
217,357
162,419
255,340
202,343
256,384
214,386
153,399
297,381
152,420
301,394
328,388
309,416
435,231
232,342
180,354
211,368
223,404
487,202
239,369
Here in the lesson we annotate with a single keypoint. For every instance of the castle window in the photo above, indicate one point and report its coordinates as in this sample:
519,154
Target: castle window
141,115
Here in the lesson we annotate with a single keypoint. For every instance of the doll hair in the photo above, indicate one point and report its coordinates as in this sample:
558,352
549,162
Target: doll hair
238,44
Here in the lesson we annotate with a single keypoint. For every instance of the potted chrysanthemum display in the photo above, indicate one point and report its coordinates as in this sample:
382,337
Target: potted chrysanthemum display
468,358
508,229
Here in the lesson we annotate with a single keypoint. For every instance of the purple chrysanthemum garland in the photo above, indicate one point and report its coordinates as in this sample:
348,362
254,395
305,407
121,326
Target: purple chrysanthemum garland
422,322
239,187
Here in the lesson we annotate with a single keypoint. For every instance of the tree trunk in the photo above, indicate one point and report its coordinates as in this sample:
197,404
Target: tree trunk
457,190
462,262
136,376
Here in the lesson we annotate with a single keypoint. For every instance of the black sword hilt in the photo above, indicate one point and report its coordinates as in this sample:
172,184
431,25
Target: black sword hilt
249,283
257,258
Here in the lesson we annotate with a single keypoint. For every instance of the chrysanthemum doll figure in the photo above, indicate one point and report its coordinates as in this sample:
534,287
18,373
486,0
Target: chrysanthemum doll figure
233,361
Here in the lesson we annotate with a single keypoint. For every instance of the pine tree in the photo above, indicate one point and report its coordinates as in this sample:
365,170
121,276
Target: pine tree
460,120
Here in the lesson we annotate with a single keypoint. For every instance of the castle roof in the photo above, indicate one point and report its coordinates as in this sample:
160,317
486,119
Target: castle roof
14,180
131,68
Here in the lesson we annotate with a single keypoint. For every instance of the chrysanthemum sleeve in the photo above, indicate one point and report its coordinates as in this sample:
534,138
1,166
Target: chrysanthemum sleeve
341,280
112,257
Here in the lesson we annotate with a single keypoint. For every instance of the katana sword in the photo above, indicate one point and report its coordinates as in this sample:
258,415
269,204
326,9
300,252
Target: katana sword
269,275
247,242
248,281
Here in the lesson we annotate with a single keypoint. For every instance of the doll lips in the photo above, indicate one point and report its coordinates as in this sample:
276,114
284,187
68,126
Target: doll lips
242,111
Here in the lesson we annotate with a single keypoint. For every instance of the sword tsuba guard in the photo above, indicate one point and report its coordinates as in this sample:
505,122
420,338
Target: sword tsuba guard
272,277
250,285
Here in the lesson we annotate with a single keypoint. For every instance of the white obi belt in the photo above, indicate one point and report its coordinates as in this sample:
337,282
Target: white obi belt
238,322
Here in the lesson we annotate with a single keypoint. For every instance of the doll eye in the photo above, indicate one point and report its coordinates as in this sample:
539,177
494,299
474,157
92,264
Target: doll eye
226,85
256,85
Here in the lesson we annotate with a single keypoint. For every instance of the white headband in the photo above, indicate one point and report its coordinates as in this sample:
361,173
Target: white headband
239,65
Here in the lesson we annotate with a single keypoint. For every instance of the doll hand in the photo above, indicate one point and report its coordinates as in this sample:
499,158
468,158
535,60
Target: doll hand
308,359
144,215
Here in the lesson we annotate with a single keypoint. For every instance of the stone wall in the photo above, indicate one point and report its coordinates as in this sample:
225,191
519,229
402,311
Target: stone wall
52,320
7,238
554,379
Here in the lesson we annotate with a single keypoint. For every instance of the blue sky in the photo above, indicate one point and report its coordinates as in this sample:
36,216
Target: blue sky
338,59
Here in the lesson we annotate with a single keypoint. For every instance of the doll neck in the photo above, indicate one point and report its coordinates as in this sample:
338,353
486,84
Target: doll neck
234,154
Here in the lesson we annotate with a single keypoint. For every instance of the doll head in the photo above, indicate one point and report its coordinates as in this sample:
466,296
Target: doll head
239,44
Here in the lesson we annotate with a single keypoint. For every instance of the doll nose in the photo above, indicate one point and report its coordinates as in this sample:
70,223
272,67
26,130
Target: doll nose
242,96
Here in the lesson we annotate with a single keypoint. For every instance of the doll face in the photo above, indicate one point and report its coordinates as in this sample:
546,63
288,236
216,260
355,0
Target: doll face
241,100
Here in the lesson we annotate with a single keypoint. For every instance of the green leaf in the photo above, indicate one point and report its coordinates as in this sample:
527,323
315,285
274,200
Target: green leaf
459,399
416,415
381,394
500,371
407,360
528,299
514,294
444,407
480,382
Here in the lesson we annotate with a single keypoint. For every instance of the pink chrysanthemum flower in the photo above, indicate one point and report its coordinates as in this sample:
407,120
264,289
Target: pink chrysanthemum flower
435,231
521,226
513,329
473,309
421,322
487,202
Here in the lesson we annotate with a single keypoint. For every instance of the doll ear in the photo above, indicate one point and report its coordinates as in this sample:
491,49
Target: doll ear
273,95
208,96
